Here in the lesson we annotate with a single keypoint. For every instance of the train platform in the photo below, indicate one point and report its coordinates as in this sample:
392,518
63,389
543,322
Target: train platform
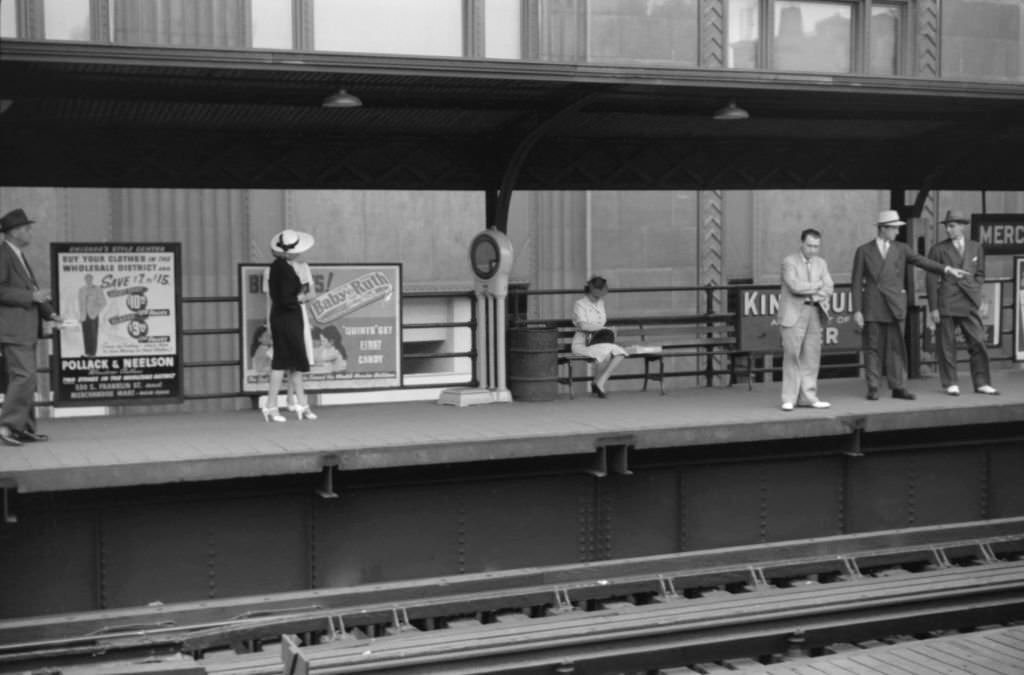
136,450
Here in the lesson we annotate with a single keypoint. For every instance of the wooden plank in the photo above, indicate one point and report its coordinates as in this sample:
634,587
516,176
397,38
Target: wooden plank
990,649
844,665
950,657
997,642
984,663
887,665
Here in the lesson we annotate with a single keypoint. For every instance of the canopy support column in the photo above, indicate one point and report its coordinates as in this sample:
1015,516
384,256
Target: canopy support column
912,323
503,194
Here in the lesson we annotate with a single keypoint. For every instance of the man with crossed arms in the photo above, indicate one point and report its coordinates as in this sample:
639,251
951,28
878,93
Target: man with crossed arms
806,288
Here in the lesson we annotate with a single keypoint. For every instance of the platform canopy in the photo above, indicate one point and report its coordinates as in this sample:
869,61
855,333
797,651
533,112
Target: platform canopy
100,115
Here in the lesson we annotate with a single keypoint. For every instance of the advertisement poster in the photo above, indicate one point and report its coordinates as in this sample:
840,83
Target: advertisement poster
121,336
1018,304
757,307
355,321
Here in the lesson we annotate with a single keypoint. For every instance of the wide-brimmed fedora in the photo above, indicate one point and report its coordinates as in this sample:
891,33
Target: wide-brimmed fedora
890,217
14,219
955,217
291,241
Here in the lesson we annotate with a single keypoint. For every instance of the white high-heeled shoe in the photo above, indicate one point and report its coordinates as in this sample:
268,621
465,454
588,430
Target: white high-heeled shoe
272,415
302,412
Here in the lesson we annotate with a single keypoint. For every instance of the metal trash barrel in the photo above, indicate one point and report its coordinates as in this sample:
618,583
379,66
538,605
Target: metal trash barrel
533,364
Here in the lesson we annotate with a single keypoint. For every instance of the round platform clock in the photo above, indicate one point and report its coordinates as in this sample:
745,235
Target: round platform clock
490,258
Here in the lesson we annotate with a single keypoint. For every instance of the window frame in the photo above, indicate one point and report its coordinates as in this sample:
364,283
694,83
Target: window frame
30,18
860,34
31,24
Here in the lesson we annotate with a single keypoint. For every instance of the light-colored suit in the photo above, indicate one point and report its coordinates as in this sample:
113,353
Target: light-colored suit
19,331
879,290
959,304
806,286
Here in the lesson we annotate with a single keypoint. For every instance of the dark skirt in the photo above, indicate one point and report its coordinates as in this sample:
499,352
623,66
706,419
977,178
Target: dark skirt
287,324
288,332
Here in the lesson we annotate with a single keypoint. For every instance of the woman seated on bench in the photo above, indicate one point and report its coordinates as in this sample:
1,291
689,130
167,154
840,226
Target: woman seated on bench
592,339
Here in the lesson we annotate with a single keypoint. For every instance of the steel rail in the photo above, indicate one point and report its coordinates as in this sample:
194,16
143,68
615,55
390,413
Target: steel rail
709,567
647,639
635,635
195,628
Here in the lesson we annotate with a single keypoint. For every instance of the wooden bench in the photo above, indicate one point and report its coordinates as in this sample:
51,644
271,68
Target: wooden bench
652,339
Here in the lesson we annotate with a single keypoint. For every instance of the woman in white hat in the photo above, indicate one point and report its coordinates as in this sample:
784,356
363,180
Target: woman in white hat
289,287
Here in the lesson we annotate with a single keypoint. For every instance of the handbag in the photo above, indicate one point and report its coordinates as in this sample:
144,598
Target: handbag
604,335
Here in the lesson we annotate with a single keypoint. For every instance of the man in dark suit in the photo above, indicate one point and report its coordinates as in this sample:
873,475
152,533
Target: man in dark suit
957,302
880,303
22,304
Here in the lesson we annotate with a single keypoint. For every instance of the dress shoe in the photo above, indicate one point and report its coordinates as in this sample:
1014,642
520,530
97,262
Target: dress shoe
987,389
787,406
598,391
29,435
272,415
302,412
7,438
872,394
953,390
821,404
904,394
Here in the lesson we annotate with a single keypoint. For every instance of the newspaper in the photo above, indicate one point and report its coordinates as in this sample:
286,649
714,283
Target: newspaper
643,349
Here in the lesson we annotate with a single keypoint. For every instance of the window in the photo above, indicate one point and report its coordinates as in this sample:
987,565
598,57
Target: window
66,20
191,23
813,36
271,24
743,33
8,19
414,27
834,36
502,29
887,23
631,31
983,39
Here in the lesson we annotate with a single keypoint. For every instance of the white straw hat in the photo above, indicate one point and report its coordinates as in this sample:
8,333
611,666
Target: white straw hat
291,241
890,217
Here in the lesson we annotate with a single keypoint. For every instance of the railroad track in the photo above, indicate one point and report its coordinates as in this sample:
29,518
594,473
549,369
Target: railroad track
757,603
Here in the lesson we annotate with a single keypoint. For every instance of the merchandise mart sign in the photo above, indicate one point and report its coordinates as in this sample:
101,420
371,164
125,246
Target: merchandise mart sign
999,233
121,339
757,307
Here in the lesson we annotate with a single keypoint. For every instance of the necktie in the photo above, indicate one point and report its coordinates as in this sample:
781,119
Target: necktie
959,243
28,269
885,248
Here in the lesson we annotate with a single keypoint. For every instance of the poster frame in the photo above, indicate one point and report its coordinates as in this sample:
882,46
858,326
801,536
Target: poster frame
312,386
61,392
1018,308
993,294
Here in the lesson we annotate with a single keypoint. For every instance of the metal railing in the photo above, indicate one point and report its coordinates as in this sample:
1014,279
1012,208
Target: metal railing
692,305
235,362
527,307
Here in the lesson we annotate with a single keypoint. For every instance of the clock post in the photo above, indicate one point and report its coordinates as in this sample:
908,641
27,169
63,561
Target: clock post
490,260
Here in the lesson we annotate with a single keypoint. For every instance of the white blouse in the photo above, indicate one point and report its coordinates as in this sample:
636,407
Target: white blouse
589,316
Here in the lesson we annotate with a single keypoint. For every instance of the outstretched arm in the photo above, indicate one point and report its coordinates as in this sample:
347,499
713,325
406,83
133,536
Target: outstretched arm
930,265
